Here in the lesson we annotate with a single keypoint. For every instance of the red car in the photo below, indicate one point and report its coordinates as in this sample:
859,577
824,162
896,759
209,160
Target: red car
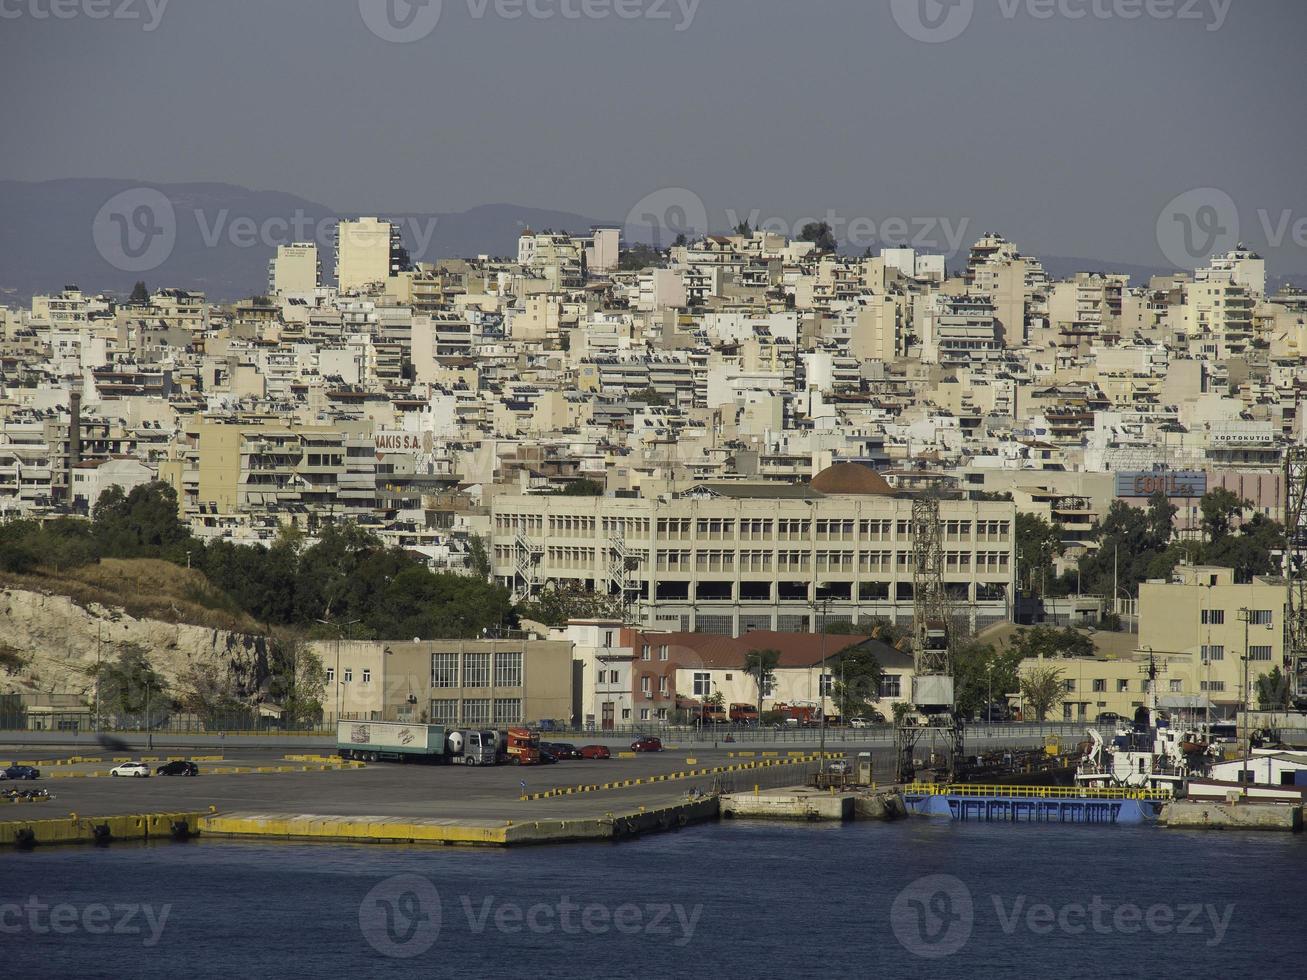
647,743
595,752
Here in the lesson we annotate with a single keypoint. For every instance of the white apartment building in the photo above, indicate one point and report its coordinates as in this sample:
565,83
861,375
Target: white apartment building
732,557
368,251
295,270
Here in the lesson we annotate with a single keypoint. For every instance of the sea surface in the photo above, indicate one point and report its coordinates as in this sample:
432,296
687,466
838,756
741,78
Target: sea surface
919,898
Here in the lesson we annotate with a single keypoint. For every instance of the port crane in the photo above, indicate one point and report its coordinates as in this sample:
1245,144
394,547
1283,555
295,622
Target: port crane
933,710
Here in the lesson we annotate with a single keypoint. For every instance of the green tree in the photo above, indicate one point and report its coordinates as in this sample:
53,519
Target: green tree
140,294
820,234
141,524
980,671
1038,544
1272,691
554,607
296,681
1042,688
131,689
582,488
761,666
1220,507
478,556
857,672
1048,641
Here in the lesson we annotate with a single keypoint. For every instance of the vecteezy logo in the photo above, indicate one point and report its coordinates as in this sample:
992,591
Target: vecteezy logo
136,230
661,217
401,21
1196,224
932,21
400,917
932,917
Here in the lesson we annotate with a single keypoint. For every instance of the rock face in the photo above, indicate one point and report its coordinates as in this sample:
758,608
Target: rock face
61,641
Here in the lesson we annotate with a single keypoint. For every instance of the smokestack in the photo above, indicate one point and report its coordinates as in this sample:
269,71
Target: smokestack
74,434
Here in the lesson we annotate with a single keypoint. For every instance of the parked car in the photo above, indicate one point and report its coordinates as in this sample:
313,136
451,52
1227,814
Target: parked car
130,769
565,750
22,772
595,752
547,757
647,743
1108,716
866,721
179,767
840,766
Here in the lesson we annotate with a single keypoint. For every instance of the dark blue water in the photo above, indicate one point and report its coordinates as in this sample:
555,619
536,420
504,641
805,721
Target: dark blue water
921,898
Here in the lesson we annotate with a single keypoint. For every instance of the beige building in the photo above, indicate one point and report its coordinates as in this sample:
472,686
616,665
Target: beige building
366,253
295,270
472,683
728,558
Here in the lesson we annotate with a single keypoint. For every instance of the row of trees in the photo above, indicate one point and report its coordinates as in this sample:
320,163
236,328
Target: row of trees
1136,544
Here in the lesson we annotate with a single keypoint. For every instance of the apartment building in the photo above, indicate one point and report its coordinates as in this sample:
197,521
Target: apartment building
728,558
368,252
295,270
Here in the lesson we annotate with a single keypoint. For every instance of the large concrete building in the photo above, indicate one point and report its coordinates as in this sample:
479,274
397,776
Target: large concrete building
368,251
728,558
474,683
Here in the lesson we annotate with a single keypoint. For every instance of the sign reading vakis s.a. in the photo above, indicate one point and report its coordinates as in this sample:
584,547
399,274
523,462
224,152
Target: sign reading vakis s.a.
1173,483
401,442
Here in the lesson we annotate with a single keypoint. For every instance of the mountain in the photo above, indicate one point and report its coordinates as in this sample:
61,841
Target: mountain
103,234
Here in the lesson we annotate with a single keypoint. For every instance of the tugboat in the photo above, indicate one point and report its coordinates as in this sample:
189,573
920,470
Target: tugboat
1147,753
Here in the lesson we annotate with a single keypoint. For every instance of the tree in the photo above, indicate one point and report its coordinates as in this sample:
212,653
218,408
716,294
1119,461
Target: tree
1038,543
478,557
296,681
1042,688
1046,641
140,294
857,680
141,524
983,673
820,234
761,666
131,689
743,229
1219,507
1272,691
554,607
582,488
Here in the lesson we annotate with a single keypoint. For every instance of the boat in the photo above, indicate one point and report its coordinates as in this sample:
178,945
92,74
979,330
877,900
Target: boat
1147,752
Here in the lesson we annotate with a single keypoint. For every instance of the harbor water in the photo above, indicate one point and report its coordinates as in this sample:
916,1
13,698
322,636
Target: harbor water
921,898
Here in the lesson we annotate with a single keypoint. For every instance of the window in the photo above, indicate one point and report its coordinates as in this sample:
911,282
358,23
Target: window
444,711
1259,617
662,652
662,685
1122,686
702,684
608,638
331,674
349,674
1213,652
476,711
1177,686
646,685
476,670
826,685
1259,652
1213,617
646,653
1070,683
626,714
1212,685
661,714
367,675
508,711
444,670
891,685
508,669
1100,686
644,714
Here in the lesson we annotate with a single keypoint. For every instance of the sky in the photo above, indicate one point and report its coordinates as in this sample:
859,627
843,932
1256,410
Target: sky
1074,127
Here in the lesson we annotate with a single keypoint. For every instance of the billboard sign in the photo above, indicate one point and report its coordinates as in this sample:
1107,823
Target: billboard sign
1173,483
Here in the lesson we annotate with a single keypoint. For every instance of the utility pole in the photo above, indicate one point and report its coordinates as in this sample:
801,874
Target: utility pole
1245,617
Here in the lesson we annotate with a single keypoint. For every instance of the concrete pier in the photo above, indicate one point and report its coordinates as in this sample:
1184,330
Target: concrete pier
1205,815
790,803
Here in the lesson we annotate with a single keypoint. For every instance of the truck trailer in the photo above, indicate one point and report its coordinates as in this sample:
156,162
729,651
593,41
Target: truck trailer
388,741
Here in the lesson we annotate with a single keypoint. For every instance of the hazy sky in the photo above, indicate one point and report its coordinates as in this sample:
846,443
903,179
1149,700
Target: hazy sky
1068,133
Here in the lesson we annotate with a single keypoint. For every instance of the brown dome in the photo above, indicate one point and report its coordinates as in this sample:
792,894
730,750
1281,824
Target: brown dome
851,478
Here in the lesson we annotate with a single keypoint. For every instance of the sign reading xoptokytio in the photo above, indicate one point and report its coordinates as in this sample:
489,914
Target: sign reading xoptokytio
1173,483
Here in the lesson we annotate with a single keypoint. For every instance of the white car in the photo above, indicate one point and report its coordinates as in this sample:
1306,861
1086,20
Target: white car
130,769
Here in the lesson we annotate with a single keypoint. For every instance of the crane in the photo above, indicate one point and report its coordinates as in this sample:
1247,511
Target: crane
933,706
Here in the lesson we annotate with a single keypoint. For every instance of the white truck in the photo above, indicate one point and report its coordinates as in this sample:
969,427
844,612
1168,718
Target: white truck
390,741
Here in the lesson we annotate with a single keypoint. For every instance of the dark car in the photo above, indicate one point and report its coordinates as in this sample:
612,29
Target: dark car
564,750
1108,716
595,752
22,772
179,767
647,743
547,757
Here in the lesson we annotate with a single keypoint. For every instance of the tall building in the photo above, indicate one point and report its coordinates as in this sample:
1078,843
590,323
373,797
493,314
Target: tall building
368,251
294,270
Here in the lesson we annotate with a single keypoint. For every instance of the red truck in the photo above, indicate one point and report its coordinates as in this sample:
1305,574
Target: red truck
744,714
523,747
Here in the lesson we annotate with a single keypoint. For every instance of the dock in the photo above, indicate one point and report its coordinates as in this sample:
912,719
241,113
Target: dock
1035,804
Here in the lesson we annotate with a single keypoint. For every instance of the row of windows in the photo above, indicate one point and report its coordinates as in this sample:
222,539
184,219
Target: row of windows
750,529
476,669
473,712
1256,617
786,560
